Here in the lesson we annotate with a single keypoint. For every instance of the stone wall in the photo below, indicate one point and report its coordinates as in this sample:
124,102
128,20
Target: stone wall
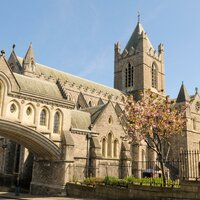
188,191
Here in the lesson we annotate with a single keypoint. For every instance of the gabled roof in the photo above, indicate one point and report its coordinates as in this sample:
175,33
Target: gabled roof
183,95
134,39
95,111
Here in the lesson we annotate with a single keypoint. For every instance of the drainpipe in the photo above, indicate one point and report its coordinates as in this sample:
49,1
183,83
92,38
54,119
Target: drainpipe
88,137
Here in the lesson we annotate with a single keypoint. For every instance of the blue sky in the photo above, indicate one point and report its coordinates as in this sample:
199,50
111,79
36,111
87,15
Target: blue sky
78,36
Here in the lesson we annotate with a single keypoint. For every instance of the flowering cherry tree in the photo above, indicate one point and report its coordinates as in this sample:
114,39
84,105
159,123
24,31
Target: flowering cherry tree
154,119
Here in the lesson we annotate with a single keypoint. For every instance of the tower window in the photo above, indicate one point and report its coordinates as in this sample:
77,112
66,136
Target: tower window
154,76
194,123
129,76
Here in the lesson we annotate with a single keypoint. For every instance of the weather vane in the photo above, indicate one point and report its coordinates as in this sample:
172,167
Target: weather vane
138,16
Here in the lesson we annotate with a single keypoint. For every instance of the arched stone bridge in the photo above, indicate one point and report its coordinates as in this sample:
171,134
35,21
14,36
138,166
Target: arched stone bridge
37,143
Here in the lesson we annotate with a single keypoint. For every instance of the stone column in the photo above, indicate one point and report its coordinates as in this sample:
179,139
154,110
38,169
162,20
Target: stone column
126,160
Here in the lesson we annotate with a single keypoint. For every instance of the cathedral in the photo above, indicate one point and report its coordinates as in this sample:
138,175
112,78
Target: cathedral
56,127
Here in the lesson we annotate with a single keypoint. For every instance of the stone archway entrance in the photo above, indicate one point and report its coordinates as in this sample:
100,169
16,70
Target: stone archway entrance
41,150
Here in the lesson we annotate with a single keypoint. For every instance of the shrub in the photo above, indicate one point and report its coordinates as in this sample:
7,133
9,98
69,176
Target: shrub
93,180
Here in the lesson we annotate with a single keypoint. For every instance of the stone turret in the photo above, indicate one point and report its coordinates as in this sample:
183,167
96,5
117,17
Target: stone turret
29,63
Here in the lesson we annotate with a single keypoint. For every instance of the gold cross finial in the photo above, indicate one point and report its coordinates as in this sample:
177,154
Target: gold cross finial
138,16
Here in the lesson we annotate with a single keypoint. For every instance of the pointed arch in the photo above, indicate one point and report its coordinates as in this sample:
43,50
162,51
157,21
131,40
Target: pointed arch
115,148
29,113
103,147
44,117
90,104
110,145
57,122
194,124
13,110
129,75
143,158
154,75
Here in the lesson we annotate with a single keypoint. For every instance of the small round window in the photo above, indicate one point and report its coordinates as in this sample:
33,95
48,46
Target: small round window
13,108
110,120
28,111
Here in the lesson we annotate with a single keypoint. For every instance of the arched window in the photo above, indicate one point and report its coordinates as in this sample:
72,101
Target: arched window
129,76
68,97
90,103
194,123
109,145
43,117
154,75
13,110
104,147
56,125
143,159
115,148
29,114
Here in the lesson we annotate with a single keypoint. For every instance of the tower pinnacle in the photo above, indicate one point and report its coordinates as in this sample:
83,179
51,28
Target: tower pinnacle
138,17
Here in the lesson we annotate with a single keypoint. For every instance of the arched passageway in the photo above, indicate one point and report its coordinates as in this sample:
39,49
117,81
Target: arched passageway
37,143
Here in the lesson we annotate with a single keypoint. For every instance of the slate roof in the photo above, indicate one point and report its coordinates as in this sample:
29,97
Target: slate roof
80,120
50,72
38,87
95,111
134,39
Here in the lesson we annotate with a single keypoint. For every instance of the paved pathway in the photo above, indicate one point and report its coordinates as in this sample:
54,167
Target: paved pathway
10,195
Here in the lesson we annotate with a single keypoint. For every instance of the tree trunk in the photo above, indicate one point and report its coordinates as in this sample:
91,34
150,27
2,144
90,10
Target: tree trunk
162,169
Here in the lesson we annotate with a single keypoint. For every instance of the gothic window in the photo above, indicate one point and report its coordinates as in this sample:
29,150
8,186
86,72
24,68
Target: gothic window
154,75
143,159
28,111
56,125
109,147
69,98
104,147
129,76
115,148
194,123
110,120
13,108
43,118
90,103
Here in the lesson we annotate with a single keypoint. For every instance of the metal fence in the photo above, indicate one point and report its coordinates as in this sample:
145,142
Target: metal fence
186,167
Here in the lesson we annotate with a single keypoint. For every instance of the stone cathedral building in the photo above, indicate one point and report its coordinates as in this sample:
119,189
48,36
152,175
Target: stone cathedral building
56,127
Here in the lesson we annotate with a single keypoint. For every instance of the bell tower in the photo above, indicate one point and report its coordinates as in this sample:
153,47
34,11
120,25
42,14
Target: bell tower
139,66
